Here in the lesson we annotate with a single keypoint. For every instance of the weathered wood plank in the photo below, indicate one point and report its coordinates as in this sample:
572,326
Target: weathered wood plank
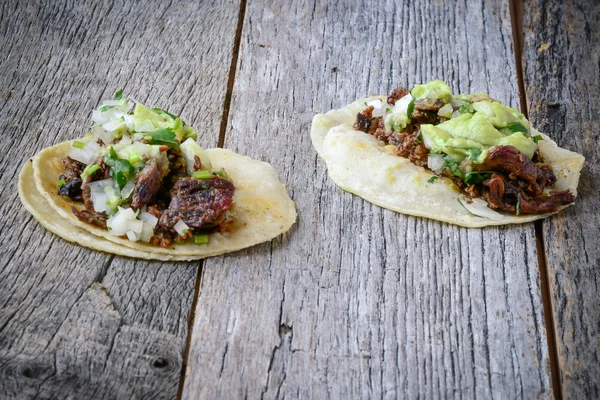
72,321
356,301
562,80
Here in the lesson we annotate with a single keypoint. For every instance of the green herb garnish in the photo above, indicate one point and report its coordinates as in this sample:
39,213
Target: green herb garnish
432,179
202,175
162,136
475,153
105,108
518,211
89,171
476,177
122,170
537,138
118,94
78,144
201,239
450,163
516,127
222,174
61,182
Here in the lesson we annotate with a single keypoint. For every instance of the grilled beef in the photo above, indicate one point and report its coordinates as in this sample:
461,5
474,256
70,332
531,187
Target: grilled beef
201,204
147,184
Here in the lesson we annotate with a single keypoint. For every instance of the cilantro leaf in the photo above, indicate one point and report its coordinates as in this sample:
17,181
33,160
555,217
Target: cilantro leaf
476,177
432,179
119,94
516,127
122,170
450,163
162,136
475,153
537,138
106,108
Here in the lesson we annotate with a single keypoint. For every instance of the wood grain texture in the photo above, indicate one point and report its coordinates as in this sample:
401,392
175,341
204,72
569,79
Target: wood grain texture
562,79
356,301
74,322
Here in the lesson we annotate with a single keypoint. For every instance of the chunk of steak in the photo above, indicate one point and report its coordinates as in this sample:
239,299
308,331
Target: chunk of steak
506,196
147,184
518,167
91,217
201,204
71,189
73,168
396,95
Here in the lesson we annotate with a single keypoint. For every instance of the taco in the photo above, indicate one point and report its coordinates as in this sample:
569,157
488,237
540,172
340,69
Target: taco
467,159
139,185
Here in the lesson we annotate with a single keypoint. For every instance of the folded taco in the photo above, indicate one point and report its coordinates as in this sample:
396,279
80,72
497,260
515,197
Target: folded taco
464,159
139,185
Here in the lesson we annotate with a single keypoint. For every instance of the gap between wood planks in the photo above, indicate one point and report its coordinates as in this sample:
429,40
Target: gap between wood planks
225,118
516,17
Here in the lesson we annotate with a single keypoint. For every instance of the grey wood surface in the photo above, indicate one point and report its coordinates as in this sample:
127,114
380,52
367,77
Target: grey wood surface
73,322
562,78
356,301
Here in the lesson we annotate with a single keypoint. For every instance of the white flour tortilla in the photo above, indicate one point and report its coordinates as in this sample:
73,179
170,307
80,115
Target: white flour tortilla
357,162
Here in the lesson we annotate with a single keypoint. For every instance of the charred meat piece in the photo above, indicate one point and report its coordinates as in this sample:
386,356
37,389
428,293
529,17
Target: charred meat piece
428,105
71,189
147,184
197,163
91,217
201,204
162,237
364,120
410,146
73,168
518,167
505,195
396,95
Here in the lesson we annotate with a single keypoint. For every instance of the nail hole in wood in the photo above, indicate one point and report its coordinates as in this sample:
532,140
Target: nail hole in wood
160,363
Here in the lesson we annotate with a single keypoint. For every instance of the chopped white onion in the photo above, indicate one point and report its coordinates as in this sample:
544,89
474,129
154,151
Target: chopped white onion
181,227
128,189
113,125
455,114
436,162
99,133
479,207
86,154
147,233
148,219
126,140
98,194
132,236
124,220
378,108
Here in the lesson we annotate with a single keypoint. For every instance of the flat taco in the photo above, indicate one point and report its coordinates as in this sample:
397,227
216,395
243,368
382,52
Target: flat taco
139,185
468,159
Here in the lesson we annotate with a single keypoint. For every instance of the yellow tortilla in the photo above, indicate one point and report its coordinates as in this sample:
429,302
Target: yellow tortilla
358,163
262,208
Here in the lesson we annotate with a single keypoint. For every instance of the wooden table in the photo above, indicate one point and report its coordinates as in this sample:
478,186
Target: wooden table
354,301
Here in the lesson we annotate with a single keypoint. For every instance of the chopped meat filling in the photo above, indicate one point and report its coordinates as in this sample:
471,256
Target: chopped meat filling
91,216
201,204
147,184
517,185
